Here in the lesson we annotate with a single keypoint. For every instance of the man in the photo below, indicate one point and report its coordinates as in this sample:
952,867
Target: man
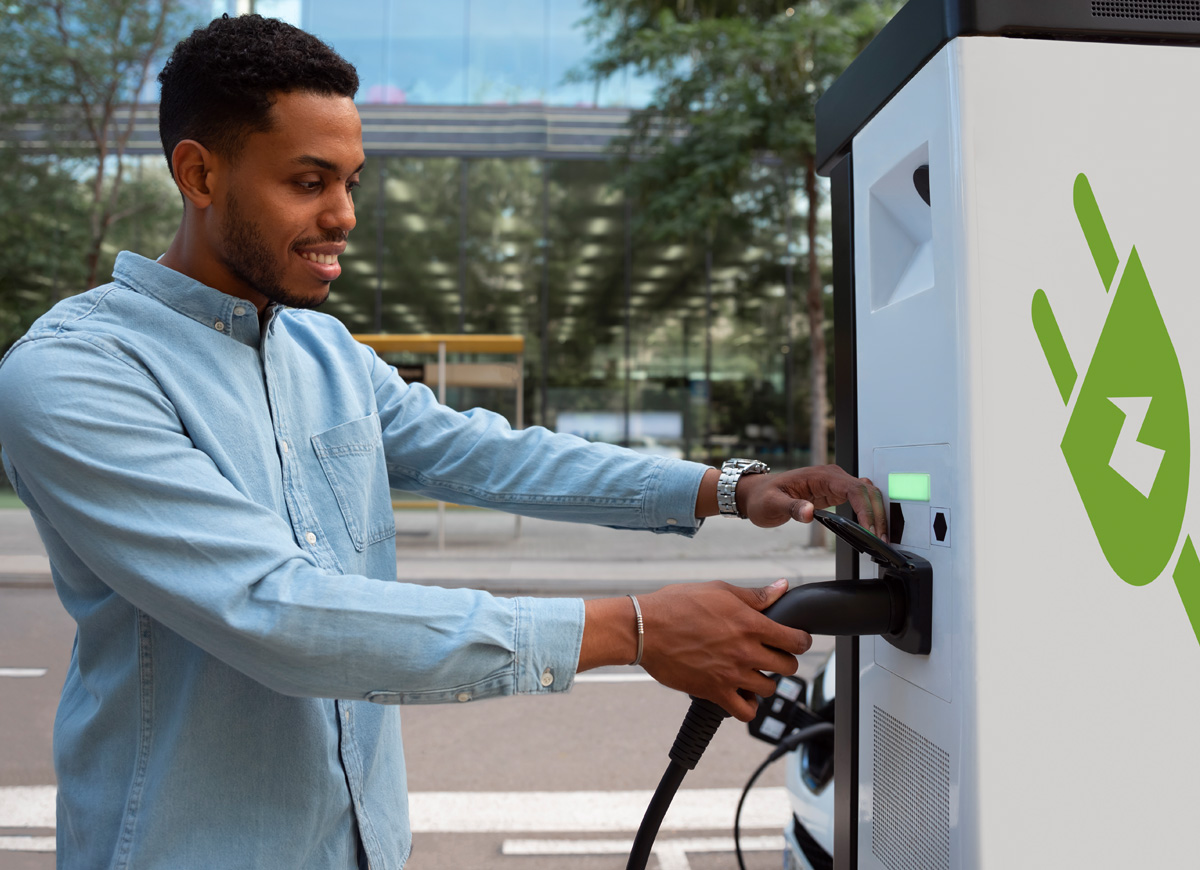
208,462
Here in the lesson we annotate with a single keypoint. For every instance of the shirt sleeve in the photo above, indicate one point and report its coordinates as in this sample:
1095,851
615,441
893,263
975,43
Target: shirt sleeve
128,504
476,458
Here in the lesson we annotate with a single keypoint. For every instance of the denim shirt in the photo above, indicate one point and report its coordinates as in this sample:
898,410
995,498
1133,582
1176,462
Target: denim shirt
214,499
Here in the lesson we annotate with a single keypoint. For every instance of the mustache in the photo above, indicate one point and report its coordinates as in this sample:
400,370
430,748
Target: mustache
335,237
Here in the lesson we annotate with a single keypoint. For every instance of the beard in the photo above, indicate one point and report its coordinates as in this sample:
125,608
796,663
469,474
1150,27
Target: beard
245,253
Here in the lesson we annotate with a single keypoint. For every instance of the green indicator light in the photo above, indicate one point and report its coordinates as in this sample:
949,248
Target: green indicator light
908,487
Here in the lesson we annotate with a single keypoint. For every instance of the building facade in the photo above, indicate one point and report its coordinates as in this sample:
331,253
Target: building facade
488,206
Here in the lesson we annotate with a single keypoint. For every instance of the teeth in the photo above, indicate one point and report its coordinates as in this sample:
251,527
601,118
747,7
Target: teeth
323,259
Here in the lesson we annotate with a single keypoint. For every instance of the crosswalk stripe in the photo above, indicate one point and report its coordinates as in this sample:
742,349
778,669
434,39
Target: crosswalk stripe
26,844
624,847
698,809
701,809
27,806
671,854
634,677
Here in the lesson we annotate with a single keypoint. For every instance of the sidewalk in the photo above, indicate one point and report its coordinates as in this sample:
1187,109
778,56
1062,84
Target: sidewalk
482,552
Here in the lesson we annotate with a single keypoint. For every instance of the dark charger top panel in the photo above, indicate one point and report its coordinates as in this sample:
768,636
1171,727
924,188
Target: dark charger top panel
922,27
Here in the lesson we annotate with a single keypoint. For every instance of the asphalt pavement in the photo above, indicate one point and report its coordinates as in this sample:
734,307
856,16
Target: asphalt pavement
603,746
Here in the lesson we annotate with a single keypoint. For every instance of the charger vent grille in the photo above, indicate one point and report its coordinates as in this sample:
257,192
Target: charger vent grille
1155,10
910,816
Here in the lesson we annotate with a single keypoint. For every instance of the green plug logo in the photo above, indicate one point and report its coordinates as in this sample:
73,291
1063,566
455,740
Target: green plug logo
1128,441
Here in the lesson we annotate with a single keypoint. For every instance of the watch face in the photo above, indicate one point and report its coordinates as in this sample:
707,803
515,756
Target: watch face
746,466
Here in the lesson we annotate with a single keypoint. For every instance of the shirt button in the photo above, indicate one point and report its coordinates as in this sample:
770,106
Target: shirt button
672,521
547,677
285,447
464,696
311,538
239,310
219,326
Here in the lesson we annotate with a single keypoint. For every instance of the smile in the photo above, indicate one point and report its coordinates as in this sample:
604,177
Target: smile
323,259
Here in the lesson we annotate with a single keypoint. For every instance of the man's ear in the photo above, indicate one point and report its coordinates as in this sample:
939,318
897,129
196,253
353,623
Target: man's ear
194,167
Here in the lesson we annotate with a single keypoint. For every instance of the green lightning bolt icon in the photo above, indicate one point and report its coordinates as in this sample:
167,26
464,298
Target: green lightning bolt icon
1127,443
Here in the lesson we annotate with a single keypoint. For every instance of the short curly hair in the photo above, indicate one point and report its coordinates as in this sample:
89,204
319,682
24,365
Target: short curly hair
220,82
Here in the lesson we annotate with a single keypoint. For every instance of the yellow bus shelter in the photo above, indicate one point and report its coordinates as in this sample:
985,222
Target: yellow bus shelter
502,375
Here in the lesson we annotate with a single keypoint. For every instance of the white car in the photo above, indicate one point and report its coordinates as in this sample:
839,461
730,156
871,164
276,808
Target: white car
809,781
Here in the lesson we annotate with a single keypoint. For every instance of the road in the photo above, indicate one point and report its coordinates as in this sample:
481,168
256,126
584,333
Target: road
516,783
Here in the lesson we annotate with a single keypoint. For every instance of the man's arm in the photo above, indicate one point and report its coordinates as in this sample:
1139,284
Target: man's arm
705,639
710,640
105,460
475,457
770,500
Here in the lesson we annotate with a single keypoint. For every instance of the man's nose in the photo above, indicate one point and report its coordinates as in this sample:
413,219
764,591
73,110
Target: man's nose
338,212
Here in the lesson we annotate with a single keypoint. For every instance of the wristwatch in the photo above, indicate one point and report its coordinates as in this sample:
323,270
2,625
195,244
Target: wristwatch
731,472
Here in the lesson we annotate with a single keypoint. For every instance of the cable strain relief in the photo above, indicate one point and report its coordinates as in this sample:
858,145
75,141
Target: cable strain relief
699,725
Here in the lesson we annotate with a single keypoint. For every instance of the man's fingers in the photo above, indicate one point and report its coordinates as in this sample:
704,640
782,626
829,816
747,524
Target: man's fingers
760,684
867,502
775,636
782,663
802,510
739,642
880,516
792,641
739,707
762,597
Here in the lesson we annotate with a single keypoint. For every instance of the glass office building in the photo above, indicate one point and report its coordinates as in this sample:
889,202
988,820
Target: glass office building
488,207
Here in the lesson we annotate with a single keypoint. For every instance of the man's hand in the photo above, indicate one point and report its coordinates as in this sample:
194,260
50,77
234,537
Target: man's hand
709,640
772,499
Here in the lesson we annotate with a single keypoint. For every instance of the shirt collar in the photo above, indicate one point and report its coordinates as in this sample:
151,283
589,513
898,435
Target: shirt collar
221,312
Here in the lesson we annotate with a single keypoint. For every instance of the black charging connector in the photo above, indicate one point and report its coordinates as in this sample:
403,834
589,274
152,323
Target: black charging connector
897,606
783,711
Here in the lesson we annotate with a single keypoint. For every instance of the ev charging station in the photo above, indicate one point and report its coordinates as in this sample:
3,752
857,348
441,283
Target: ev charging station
1014,190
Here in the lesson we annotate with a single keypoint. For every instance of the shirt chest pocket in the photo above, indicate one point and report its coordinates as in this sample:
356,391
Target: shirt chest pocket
352,457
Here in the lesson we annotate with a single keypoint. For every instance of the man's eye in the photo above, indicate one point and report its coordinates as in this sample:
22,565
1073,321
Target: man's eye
309,185
353,185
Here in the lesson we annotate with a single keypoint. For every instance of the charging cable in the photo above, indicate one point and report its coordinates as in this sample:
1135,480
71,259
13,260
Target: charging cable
699,725
841,607
786,745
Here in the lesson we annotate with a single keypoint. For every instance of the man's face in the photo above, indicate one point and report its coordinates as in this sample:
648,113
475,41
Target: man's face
285,208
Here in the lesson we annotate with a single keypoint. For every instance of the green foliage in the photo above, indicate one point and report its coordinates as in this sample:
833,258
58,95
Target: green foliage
42,217
73,74
727,143
738,85
86,54
44,229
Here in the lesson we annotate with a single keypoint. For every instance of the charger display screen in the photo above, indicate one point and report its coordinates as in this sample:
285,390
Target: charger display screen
908,487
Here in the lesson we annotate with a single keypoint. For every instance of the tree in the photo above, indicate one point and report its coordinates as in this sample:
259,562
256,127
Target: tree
729,135
42,217
78,70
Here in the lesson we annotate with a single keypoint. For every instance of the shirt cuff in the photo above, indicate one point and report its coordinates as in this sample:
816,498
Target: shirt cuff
671,499
549,636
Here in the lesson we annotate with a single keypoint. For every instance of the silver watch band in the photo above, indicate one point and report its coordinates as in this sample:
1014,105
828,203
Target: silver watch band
731,472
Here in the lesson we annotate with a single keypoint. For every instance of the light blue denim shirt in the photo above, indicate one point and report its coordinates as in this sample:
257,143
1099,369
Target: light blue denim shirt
214,499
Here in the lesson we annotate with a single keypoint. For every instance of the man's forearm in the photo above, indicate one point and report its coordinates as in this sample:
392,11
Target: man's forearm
706,498
705,639
609,633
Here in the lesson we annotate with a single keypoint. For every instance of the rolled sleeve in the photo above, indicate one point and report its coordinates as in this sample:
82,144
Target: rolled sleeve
549,635
671,498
